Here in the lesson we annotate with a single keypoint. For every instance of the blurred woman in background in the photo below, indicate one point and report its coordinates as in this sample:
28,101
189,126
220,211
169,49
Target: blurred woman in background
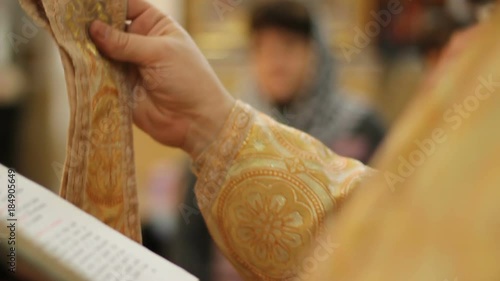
295,81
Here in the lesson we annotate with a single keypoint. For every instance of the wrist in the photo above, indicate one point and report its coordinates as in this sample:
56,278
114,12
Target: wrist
228,143
206,125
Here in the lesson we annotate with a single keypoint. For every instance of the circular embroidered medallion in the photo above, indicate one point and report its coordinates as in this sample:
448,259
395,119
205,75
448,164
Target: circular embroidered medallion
270,216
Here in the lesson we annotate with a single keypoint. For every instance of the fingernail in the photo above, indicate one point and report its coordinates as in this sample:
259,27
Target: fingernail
100,29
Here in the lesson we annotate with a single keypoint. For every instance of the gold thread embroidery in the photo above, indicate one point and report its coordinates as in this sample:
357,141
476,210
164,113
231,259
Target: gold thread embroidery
266,189
278,223
80,13
99,174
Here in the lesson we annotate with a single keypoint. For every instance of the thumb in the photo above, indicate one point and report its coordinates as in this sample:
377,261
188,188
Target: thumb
119,45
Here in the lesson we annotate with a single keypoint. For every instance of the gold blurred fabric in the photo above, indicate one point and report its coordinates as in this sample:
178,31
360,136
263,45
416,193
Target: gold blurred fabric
430,213
434,212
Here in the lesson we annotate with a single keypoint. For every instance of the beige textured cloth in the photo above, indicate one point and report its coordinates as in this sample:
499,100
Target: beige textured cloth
99,175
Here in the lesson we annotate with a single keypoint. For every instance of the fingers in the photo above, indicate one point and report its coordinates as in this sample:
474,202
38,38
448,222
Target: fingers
122,46
146,22
137,8
146,19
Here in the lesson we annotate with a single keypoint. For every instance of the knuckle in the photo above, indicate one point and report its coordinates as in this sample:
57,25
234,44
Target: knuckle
122,40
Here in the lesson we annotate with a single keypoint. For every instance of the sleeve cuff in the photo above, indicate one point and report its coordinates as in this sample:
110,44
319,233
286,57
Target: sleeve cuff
218,156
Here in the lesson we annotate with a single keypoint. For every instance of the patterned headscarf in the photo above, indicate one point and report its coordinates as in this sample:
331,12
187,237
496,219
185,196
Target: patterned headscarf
318,109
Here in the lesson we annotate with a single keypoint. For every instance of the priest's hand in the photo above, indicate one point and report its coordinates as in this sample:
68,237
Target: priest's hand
185,104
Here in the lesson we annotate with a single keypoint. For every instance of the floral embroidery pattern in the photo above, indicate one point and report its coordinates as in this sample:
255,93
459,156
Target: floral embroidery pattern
295,165
269,227
266,200
269,220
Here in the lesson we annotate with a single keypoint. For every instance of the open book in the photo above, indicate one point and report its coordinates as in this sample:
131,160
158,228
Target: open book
64,243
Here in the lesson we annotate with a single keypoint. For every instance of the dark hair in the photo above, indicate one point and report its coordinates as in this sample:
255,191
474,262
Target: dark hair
286,14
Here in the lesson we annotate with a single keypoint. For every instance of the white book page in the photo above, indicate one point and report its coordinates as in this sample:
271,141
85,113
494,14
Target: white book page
82,243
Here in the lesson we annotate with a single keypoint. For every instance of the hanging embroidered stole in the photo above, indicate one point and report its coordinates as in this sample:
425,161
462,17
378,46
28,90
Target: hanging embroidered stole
99,173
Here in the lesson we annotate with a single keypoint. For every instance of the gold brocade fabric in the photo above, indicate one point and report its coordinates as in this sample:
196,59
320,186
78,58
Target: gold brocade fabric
265,191
99,174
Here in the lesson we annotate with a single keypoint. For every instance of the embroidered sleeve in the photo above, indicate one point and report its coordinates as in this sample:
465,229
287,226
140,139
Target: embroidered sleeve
265,190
